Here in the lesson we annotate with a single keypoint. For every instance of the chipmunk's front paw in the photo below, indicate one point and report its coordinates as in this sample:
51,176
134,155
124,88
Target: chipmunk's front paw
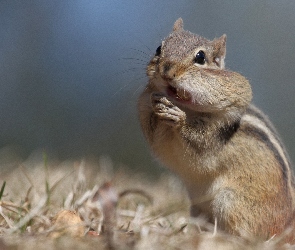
166,110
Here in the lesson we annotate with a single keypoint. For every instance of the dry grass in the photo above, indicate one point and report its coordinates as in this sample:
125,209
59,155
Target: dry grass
40,204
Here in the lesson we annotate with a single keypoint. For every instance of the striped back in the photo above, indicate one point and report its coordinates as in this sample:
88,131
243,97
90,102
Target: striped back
256,124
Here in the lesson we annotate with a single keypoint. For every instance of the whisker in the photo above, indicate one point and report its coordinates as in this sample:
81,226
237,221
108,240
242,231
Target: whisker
138,88
135,59
143,43
142,52
142,64
119,90
128,70
127,84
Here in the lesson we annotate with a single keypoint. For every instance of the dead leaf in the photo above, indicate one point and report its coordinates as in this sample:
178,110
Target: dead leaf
67,222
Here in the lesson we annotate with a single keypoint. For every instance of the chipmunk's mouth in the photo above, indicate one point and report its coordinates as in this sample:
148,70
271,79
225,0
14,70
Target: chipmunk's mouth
179,94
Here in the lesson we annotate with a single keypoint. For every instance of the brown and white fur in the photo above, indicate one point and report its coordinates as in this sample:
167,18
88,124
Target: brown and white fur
197,117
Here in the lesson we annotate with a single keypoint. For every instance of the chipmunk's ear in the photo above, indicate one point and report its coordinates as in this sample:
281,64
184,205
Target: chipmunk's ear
178,25
219,50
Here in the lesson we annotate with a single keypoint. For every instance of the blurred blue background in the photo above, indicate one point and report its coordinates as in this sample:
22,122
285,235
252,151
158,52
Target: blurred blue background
71,71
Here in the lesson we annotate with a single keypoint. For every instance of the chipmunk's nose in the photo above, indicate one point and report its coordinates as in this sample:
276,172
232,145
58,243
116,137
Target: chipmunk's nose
167,72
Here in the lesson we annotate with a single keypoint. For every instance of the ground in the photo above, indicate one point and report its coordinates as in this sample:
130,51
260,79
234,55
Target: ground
89,205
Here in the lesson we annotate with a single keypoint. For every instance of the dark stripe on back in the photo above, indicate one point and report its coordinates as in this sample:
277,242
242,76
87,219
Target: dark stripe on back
253,111
263,137
227,131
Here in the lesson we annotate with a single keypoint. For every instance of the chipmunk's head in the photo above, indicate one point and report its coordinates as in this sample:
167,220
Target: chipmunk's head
190,70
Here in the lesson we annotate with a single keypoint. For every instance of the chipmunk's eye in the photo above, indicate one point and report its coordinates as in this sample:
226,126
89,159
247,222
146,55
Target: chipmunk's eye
158,51
200,57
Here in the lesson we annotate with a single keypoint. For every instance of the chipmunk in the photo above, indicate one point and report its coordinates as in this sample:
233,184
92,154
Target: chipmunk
197,117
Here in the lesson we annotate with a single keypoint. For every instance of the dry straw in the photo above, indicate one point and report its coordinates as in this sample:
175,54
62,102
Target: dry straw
86,205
